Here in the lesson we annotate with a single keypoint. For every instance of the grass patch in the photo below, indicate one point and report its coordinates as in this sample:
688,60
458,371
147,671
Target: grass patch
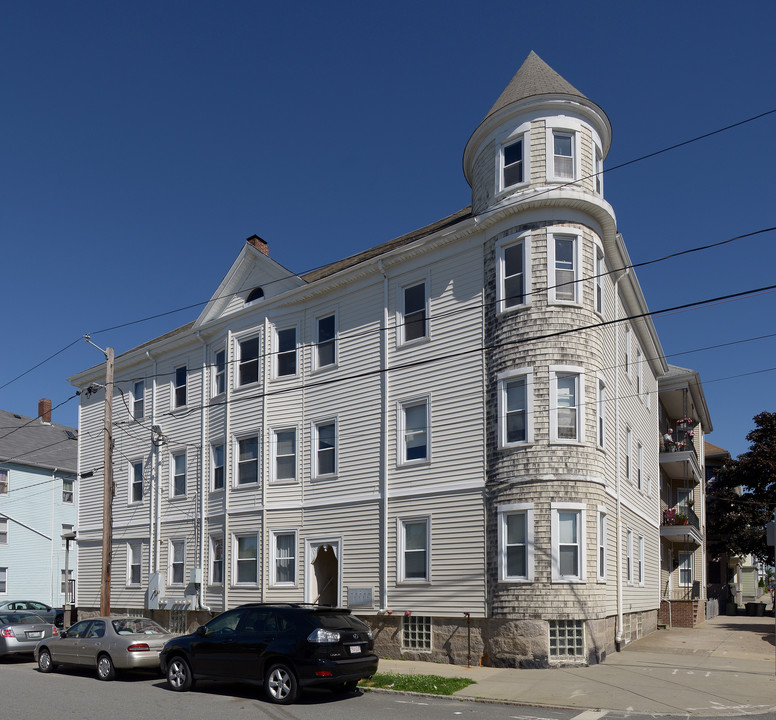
429,684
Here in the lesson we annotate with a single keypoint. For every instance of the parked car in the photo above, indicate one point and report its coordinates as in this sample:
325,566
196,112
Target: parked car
21,631
56,616
107,644
283,647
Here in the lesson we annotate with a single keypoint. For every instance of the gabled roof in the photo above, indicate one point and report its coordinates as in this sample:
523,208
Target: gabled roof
29,441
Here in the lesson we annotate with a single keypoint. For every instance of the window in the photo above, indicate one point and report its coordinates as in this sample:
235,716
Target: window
515,407
178,484
563,283
248,367
217,467
567,639
67,490
256,294
413,559
325,342
601,405
414,325
286,352
284,447
246,559
67,529
640,560
219,373
134,562
416,633
515,531
3,531
179,390
325,461
602,539
565,394
513,279
136,482
3,580
513,163
639,373
248,461
216,560
639,466
627,351
685,569
598,169
414,432
283,558
600,274
563,155
4,484
629,557
628,452
568,542
177,562
138,399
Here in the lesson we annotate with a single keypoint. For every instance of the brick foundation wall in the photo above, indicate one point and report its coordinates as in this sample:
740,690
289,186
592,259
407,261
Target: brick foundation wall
682,613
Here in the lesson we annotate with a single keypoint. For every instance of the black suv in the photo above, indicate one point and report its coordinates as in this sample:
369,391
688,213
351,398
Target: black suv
284,647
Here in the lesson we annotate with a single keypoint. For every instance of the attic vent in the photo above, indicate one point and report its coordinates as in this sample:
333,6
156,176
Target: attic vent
256,294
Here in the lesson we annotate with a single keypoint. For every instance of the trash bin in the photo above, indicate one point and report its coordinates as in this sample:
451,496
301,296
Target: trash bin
731,609
760,609
750,609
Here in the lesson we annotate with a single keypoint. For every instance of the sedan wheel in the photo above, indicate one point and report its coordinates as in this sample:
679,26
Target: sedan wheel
178,674
45,663
105,668
280,685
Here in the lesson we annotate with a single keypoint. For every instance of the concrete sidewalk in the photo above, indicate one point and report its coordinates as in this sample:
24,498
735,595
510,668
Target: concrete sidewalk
724,667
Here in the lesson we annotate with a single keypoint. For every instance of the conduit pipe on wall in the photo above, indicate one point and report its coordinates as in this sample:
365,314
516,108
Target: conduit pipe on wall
384,448
202,481
153,510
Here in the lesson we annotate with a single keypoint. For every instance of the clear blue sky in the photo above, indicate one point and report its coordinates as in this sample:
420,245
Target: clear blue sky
143,142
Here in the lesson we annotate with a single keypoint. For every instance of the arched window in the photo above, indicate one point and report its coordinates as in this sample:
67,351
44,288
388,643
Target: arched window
256,294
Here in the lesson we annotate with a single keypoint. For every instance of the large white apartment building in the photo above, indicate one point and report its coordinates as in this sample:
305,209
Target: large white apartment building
455,433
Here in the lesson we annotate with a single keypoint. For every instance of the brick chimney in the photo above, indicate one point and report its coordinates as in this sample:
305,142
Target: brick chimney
44,410
259,244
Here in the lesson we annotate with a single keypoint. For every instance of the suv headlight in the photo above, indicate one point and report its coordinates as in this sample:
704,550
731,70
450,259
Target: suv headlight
321,636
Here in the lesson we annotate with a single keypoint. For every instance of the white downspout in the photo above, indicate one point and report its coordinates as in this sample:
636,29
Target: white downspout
383,605
229,450
153,561
202,480
265,456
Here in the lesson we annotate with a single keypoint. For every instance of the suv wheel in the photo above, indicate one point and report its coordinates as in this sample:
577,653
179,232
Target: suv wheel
178,674
280,684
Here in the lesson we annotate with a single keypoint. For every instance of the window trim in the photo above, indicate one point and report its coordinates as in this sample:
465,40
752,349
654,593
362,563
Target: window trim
401,569
504,379
523,240
236,537
629,556
4,533
275,457
555,509
70,492
276,330
171,543
174,455
561,233
316,364
212,559
138,400
628,453
133,482
598,169
134,553
315,460
690,555
640,570
5,484
239,363
563,370
401,324
565,126
4,580
504,512
273,581
601,413
214,466
219,377
402,460
176,387
602,530
237,439
599,285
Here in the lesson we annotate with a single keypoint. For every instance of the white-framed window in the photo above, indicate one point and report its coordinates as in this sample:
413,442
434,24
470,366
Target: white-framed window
629,556
640,561
639,373
248,361
515,407
178,474
627,349
3,531
325,354
566,393
134,562
219,372
325,448
600,276
414,432
562,155
601,408
285,352
414,549
639,466
598,169
568,542
4,481
246,559
628,452
217,466
602,541
516,542
283,561
284,454
513,278
683,494
138,399
136,481
563,265
67,528
216,560
414,312
3,580
513,162
68,489
177,562
247,466
179,387
685,568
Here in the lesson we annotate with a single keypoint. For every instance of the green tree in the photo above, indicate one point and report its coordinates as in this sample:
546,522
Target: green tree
741,499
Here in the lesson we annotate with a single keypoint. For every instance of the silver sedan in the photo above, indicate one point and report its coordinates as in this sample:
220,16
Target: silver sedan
106,644
20,632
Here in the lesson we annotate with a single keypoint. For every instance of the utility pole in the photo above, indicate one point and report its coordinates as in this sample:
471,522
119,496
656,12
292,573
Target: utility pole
107,489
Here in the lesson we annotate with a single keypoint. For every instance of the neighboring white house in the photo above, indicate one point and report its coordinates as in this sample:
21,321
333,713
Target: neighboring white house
454,433
38,498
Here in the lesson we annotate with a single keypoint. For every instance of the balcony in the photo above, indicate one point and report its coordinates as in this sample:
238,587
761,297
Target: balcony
678,455
680,525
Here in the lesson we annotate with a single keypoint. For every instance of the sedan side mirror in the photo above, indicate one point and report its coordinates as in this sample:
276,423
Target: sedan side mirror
63,633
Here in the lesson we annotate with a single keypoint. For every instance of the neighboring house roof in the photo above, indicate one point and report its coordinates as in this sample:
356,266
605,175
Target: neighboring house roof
30,441
711,450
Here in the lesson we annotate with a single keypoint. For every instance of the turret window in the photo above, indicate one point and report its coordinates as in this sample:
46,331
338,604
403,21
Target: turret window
513,163
563,150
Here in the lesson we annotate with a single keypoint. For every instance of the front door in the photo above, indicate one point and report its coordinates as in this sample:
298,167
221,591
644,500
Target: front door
323,572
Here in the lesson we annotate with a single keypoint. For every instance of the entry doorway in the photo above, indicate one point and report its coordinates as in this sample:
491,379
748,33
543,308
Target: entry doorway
323,571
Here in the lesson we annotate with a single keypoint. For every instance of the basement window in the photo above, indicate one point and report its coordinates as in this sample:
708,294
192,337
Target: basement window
567,640
416,633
